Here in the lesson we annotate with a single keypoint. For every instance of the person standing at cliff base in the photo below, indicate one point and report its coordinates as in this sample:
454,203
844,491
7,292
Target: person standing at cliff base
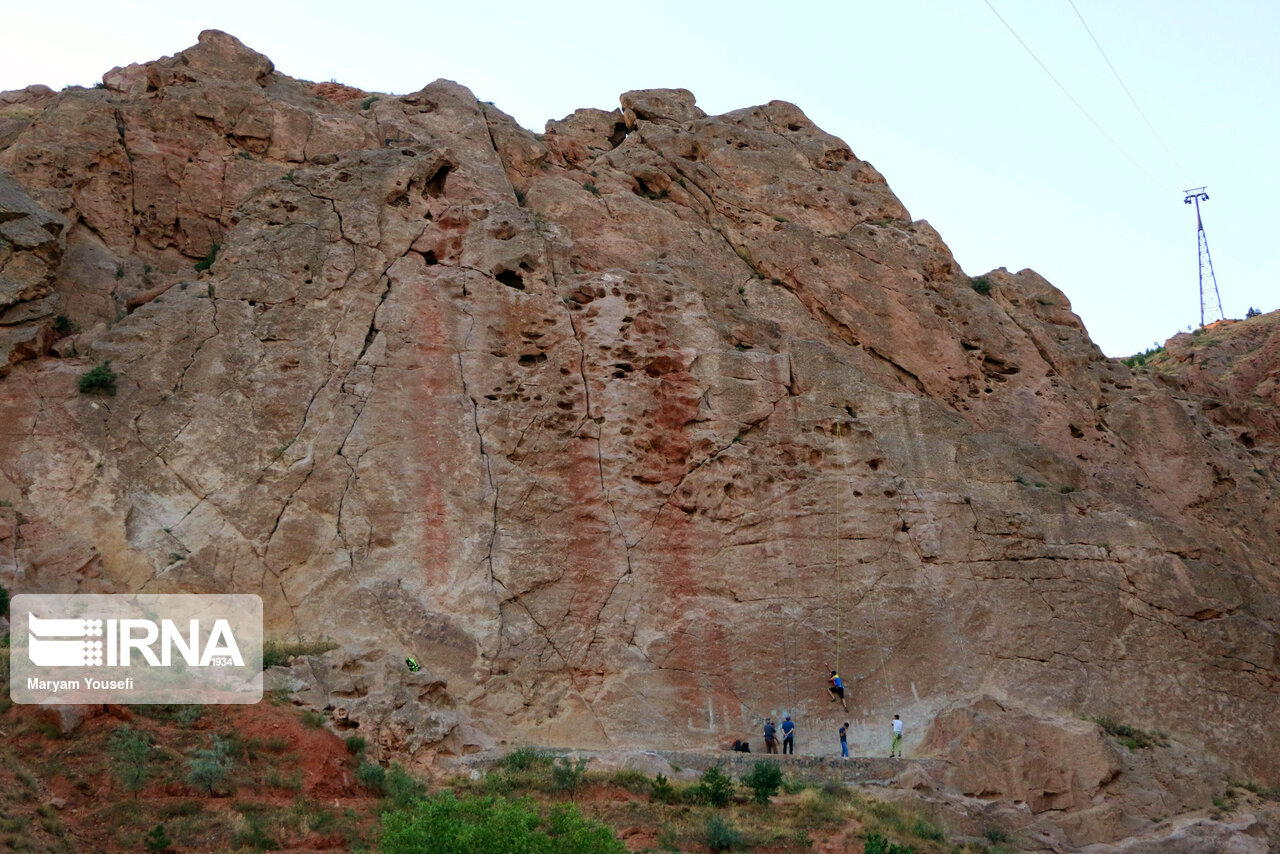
844,740
788,735
770,736
896,744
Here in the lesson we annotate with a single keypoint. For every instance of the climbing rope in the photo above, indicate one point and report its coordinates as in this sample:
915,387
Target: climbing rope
839,607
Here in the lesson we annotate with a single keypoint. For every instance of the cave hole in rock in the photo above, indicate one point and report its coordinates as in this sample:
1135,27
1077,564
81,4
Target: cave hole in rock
529,359
618,135
429,258
435,184
510,278
1076,432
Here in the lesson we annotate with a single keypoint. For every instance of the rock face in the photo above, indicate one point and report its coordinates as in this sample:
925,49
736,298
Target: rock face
629,431
1233,368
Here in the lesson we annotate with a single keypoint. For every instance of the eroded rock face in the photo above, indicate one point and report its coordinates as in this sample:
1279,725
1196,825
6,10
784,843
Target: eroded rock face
30,251
629,432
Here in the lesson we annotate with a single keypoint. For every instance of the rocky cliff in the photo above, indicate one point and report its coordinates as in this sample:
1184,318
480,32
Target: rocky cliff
630,431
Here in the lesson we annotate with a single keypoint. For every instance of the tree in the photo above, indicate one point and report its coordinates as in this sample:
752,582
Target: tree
130,750
714,787
764,781
1252,312
208,767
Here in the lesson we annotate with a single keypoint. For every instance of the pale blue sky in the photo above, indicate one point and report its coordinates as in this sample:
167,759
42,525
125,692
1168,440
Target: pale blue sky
968,130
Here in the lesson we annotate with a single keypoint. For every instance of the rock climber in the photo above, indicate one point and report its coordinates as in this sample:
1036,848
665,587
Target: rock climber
836,689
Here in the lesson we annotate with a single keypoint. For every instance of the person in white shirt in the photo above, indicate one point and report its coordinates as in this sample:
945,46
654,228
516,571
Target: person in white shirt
895,746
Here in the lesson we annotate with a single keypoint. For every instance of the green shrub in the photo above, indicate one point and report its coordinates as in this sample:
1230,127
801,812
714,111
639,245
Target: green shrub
207,261
130,751
981,285
996,835
312,719
763,781
157,840
368,102
567,776
630,779
524,758
1131,737
254,835
721,835
372,776
662,792
402,789
208,767
446,825
591,188
64,325
99,378
714,788
356,744
877,844
922,829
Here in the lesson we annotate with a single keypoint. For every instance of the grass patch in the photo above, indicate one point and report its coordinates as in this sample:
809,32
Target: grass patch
368,102
591,188
445,824
277,653
982,285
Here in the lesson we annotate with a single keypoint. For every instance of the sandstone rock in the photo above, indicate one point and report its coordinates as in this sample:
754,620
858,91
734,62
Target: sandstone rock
628,434
997,752
676,106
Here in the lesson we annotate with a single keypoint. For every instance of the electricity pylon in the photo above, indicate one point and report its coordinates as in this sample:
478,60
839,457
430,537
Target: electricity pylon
1209,303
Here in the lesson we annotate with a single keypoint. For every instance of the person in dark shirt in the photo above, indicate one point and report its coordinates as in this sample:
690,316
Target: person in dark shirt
788,735
844,741
770,736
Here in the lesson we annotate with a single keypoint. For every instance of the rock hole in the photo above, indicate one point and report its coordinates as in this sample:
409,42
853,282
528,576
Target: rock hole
1076,432
874,465
429,257
618,135
530,359
510,278
435,184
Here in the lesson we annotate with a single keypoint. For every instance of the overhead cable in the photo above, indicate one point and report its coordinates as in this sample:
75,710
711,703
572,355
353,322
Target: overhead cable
1126,90
1065,91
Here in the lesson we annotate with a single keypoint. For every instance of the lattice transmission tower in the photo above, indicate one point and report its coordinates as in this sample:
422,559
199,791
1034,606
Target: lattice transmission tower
1210,302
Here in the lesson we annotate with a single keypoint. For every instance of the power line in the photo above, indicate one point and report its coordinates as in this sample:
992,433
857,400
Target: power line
1126,154
1132,100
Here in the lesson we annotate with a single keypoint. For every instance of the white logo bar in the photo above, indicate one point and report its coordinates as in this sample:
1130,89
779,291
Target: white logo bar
141,648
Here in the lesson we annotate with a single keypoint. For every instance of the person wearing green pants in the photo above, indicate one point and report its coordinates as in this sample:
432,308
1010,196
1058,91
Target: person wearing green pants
895,746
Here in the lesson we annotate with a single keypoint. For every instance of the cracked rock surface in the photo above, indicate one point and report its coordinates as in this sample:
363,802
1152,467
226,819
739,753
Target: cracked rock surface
629,431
